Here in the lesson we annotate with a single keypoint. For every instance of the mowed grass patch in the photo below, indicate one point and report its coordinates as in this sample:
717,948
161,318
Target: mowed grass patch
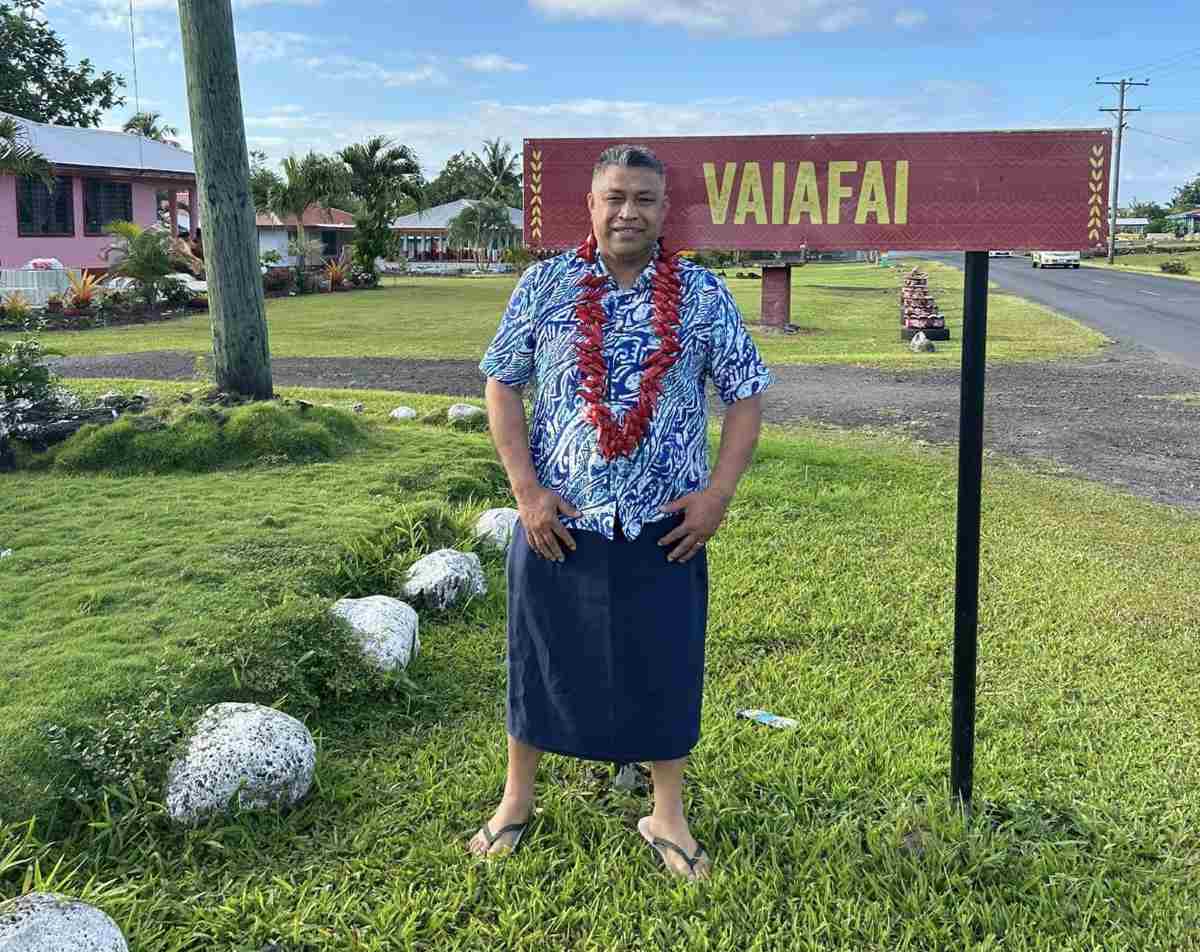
1149,263
849,314
832,602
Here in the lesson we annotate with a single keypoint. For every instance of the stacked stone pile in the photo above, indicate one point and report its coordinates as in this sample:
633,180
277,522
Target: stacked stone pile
918,310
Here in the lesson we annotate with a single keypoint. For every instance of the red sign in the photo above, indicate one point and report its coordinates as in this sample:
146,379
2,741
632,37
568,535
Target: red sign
936,191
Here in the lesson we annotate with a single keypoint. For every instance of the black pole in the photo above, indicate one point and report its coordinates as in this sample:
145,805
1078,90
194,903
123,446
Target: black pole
970,481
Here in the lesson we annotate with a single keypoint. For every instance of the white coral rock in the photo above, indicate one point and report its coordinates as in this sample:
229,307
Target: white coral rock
444,577
464,411
497,526
403,413
260,755
386,628
45,922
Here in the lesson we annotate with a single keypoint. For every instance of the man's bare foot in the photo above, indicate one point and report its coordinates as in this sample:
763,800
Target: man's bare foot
676,830
509,811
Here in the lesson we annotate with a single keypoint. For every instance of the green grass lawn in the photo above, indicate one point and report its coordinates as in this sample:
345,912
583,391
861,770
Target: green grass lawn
849,314
832,602
1149,263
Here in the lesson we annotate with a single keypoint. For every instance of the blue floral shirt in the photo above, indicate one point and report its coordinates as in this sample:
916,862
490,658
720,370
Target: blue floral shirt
536,339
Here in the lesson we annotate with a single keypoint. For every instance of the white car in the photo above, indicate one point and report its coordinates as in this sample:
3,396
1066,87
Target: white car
1055,259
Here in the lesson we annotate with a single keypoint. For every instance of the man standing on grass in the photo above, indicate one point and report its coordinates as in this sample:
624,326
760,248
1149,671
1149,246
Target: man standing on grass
607,573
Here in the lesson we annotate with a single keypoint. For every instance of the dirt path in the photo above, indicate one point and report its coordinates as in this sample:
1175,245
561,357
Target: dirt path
1104,418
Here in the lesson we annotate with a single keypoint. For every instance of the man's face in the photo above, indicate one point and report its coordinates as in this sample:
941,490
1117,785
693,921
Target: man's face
628,206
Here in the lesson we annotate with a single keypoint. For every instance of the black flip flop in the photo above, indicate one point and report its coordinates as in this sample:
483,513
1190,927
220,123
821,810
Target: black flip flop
659,844
517,828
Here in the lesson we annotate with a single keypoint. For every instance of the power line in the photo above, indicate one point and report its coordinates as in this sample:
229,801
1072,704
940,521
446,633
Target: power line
1159,135
137,101
1155,65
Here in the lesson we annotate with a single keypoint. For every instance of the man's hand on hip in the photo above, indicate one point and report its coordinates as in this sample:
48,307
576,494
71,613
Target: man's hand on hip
703,512
539,509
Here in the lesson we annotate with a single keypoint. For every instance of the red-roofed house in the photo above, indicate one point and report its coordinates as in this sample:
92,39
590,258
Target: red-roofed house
332,227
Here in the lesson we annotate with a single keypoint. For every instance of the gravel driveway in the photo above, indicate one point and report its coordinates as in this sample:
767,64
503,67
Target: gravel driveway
1104,418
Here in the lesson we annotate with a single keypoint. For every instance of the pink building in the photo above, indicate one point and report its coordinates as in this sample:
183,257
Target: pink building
102,177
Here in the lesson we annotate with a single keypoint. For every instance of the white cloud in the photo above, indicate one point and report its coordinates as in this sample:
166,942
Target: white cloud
114,14
263,46
747,17
911,18
150,43
341,67
493,63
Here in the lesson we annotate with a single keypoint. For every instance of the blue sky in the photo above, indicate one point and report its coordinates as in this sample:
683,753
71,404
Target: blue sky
441,77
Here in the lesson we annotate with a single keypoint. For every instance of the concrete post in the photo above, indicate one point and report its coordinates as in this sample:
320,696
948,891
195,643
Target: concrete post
777,295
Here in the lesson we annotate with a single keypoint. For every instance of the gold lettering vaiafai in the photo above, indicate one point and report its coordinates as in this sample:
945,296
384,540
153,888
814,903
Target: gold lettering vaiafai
807,193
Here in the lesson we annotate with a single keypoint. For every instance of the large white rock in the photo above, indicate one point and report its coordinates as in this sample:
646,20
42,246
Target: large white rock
464,411
45,922
386,629
445,576
260,754
920,344
496,526
403,413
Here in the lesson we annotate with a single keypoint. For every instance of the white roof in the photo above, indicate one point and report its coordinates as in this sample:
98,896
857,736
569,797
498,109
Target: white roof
99,148
439,216
1133,221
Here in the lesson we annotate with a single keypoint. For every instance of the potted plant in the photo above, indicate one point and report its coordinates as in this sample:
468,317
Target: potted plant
54,304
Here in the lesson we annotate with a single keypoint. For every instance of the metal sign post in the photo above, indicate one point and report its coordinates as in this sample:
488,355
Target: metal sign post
970,483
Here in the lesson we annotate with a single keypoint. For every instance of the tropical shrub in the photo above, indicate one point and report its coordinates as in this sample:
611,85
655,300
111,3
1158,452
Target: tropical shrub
143,254
1175,267
519,257
24,373
17,308
83,290
175,293
338,274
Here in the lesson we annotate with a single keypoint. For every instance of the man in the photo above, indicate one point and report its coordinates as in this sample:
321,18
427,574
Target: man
607,573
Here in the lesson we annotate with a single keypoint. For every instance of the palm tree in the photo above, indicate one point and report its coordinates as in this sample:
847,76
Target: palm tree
466,228
500,166
308,181
146,124
383,177
18,157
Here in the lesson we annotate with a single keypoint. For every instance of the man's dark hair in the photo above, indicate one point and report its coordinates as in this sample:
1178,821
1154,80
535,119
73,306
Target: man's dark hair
630,156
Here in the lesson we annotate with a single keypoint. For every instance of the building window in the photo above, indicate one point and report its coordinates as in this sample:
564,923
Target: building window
42,212
329,243
104,203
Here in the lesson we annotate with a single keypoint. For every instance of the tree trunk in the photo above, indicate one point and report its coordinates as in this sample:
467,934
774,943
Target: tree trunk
241,353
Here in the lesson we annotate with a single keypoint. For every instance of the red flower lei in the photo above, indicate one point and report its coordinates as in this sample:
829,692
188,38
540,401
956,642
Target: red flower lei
624,438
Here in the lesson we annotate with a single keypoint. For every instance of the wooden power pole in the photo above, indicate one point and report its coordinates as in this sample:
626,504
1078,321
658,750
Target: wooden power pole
1116,179
241,355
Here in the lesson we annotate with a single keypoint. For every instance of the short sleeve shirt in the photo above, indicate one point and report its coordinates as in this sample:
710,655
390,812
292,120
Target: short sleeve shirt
537,340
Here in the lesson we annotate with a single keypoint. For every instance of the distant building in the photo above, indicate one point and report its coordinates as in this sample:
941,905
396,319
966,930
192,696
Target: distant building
1188,221
1132,226
101,177
423,235
332,227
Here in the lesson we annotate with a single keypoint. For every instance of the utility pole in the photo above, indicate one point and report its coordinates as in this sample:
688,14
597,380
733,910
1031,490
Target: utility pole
241,357
1116,179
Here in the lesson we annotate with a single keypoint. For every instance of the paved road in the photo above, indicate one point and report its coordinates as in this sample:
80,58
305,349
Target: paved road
1162,314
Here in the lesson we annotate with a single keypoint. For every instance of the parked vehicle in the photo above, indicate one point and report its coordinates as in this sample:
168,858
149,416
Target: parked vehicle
1055,259
1000,254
